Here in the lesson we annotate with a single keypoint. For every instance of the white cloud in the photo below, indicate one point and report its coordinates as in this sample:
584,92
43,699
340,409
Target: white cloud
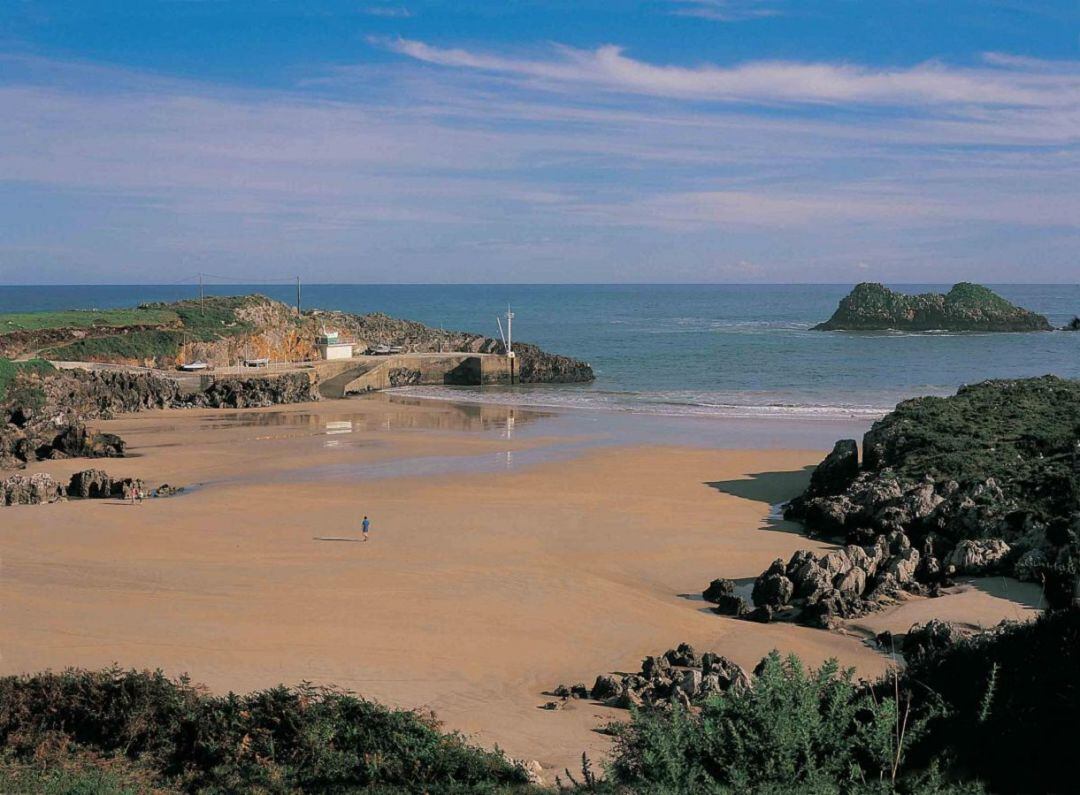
609,68
420,169
724,10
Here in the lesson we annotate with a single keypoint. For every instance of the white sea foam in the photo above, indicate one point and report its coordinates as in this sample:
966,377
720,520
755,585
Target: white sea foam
679,404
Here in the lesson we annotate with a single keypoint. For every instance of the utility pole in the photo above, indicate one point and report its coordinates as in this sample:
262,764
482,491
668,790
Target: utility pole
200,290
298,296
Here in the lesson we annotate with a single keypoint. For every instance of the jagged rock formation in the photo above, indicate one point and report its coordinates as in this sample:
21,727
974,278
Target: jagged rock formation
1072,325
678,675
37,489
984,482
43,415
966,307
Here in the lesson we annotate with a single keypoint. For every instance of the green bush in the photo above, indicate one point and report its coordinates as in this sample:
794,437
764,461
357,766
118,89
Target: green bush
811,731
279,740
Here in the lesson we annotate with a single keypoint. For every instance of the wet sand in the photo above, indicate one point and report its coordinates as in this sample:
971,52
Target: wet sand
505,557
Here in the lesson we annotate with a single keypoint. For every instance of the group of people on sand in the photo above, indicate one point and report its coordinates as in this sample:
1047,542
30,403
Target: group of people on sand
134,493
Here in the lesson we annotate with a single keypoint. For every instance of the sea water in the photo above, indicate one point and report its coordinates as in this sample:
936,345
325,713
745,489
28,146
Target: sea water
698,350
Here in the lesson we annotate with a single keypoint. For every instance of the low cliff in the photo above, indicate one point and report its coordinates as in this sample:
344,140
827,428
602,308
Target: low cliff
966,307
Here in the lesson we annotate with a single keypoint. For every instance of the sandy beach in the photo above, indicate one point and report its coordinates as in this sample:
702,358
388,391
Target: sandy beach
505,558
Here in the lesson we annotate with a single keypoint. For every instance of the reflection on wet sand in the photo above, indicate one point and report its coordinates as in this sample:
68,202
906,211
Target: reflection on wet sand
392,413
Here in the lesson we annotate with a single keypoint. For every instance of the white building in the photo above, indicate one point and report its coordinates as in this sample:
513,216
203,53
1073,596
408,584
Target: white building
331,347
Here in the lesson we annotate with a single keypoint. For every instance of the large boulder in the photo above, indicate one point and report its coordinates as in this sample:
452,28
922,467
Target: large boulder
838,470
772,589
717,589
90,484
978,556
76,441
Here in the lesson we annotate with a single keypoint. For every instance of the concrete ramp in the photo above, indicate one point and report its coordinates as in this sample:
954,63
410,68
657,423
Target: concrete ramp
333,388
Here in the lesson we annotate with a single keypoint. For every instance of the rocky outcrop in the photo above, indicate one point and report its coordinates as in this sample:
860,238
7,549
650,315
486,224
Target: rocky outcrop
44,416
966,307
721,592
1072,325
37,489
91,484
678,676
535,366
242,393
984,482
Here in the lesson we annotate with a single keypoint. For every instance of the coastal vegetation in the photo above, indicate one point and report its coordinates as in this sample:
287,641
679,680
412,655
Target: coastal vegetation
992,712
966,307
144,726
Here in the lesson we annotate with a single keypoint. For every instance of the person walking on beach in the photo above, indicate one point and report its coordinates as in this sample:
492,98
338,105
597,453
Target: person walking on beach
364,526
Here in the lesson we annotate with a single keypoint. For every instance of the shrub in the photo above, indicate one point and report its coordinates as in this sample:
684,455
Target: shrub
278,740
814,731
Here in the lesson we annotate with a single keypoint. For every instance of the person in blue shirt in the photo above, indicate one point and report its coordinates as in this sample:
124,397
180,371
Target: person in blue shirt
364,526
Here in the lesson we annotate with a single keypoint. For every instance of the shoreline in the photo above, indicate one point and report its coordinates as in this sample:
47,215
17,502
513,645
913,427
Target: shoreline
481,588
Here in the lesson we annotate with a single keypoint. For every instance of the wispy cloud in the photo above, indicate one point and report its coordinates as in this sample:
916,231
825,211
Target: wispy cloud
377,170
610,68
724,10
392,12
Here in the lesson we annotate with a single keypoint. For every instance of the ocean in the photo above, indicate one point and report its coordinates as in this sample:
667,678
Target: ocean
694,350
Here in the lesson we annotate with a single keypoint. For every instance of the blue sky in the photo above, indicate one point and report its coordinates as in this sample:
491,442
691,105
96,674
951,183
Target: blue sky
559,141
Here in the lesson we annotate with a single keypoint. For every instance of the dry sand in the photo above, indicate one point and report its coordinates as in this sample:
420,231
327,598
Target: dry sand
497,568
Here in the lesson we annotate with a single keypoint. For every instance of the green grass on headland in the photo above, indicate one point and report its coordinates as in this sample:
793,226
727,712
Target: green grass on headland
150,331
136,345
88,318
10,369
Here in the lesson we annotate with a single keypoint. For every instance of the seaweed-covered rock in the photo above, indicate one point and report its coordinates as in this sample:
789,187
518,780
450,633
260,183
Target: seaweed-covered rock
966,307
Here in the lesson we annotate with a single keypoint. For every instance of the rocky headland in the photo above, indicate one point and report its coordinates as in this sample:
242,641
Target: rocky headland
984,482
222,330
966,307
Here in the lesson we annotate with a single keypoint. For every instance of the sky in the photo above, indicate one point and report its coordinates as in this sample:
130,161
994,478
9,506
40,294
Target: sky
525,141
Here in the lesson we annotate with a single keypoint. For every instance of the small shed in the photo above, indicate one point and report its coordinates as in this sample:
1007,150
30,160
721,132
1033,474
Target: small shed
331,346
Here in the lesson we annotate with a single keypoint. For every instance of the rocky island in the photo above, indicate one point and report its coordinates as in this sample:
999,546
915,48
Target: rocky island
966,307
